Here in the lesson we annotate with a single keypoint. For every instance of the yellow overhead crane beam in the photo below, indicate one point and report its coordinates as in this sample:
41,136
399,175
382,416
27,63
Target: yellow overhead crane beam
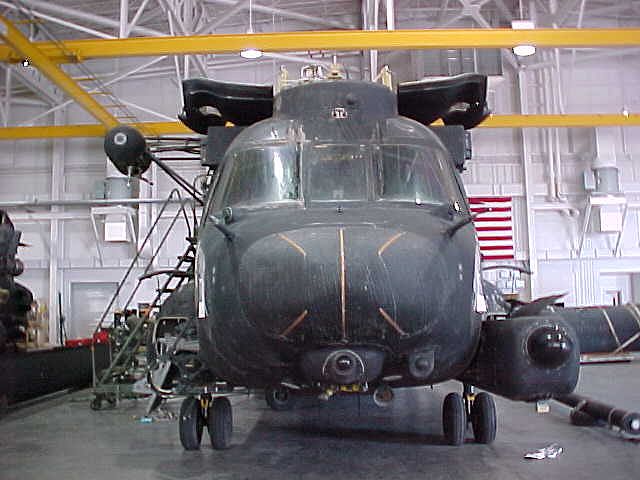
44,55
174,128
26,49
332,40
87,130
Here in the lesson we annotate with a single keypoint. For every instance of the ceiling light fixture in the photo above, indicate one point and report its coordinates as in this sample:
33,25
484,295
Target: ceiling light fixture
251,53
523,50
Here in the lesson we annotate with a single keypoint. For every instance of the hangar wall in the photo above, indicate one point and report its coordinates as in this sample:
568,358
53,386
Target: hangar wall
601,85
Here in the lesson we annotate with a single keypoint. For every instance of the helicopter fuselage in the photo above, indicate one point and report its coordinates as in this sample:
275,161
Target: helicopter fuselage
327,256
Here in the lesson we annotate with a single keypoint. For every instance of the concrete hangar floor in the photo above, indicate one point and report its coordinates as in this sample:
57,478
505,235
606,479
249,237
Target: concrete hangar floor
346,438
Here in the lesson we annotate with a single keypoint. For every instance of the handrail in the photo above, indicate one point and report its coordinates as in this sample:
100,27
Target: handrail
133,334
155,254
174,193
173,197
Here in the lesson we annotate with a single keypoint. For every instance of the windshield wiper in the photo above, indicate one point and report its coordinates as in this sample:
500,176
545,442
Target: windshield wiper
229,235
451,230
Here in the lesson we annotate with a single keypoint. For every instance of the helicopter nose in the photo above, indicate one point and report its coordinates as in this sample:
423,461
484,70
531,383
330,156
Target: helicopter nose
359,283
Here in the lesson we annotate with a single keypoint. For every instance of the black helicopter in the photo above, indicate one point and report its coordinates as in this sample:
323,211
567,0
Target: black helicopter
337,253
15,299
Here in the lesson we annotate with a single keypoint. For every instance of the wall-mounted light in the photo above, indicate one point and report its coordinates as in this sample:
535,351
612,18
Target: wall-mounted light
25,62
523,50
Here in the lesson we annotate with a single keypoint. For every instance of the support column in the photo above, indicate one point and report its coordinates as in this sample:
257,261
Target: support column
528,188
7,96
56,244
124,19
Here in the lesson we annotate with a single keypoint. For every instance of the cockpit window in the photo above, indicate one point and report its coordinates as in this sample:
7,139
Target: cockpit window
262,175
337,172
415,174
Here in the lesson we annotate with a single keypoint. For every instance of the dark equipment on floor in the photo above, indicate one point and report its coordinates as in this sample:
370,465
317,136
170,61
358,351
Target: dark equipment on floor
15,299
31,374
587,412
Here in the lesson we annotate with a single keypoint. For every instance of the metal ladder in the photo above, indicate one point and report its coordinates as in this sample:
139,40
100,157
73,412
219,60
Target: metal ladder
116,380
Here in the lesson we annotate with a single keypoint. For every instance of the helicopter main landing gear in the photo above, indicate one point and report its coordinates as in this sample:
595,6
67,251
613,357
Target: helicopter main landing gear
198,412
458,411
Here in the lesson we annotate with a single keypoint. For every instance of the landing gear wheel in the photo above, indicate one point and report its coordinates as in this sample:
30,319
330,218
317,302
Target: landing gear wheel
483,418
454,421
279,398
191,423
220,423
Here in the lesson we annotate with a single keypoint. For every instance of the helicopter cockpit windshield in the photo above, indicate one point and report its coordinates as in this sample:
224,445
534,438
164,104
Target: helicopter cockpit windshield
270,175
337,172
414,174
261,175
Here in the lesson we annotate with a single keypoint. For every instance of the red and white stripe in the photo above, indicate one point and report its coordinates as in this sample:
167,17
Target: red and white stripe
494,224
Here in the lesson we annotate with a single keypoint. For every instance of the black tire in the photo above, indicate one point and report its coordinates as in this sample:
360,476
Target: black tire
220,423
279,398
483,418
191,423
454,421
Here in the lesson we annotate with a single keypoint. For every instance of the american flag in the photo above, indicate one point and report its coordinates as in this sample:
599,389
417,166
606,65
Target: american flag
494,224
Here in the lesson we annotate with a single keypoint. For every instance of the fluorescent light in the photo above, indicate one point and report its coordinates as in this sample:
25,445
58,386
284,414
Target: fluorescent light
251,53
523,50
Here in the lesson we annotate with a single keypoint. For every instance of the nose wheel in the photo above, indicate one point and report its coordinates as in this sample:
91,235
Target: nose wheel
454,419
191,423
458,411
220,423
483,418
198,412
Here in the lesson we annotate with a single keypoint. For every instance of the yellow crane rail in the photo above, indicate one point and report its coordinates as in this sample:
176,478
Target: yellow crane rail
22,46
332,40
173,128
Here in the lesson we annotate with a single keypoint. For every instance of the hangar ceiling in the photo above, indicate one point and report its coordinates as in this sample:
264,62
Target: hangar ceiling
67,20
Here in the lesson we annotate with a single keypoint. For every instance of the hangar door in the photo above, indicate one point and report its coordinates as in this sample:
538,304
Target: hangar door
88,301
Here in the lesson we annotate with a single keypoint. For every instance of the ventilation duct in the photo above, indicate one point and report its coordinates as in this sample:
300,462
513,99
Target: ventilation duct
603,183
437,63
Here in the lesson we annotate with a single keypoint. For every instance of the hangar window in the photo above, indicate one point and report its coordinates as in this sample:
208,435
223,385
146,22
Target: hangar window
338,172
262,175
415,174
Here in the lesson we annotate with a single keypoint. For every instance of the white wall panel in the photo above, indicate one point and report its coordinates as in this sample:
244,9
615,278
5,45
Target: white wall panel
37,281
